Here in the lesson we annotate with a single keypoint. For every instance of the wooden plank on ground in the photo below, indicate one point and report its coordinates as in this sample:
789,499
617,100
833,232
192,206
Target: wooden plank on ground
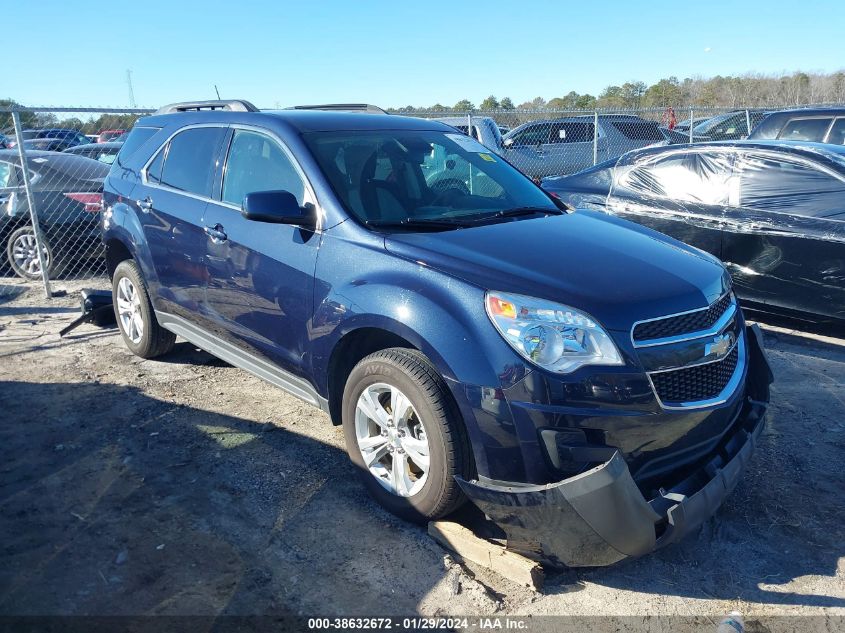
467,545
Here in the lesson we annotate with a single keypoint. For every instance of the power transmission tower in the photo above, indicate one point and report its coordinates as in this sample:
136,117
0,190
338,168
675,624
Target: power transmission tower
131,92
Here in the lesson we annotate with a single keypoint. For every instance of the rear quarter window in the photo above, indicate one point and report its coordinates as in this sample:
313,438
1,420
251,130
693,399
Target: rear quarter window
134,140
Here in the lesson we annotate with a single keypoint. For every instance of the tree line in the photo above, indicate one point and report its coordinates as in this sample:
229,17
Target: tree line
89,125
747,90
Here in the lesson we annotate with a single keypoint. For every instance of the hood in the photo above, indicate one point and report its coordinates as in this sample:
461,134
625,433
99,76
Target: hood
616,271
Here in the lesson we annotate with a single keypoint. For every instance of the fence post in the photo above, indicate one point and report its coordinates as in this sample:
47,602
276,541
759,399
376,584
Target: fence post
595,138
691,113
748,122
30,198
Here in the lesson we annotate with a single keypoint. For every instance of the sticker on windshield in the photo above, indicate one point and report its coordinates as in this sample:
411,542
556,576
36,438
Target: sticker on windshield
488,158
467,143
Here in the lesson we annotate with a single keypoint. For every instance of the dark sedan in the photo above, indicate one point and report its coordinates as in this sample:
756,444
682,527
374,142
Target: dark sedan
730,126
773,211
102,152
68,197
821,125
71,137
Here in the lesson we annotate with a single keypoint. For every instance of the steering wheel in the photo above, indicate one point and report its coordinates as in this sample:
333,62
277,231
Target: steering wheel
448,189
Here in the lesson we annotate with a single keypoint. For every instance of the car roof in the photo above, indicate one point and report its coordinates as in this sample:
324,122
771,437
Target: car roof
835,153
301,121
94,146
809,111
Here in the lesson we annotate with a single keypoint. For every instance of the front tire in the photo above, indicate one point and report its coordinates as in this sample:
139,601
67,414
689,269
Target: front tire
135,316
404,433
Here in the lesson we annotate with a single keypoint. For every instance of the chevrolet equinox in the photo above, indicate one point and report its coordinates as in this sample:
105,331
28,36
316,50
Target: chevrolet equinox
589,384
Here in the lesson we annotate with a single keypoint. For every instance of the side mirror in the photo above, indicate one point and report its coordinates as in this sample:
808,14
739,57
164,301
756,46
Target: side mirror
277,207
508,142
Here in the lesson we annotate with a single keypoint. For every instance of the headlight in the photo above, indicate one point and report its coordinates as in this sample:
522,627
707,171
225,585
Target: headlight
551,335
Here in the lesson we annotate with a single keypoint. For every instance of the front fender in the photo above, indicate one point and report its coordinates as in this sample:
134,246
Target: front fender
441,316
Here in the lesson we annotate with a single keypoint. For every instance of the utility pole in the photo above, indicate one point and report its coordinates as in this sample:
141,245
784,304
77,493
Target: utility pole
131,92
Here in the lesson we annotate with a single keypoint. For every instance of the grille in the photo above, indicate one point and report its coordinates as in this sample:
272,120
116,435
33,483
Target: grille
683,323
693,384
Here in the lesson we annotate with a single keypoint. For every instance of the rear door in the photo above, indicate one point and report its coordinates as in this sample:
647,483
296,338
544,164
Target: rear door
261,275
785,242
683,194
175,189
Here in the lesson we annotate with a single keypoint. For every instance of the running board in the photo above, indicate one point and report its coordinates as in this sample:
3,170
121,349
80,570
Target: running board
259,367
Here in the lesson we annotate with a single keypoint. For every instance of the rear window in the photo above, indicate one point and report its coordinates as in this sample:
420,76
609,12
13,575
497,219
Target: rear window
639,130
71,166
805,129
137,137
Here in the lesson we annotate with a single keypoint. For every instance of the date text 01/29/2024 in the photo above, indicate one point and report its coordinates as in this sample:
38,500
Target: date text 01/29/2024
418,623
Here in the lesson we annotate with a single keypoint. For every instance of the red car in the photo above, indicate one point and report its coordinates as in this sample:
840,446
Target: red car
109,135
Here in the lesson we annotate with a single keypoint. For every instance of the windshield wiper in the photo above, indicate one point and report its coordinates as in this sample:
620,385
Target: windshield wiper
517,212
418,223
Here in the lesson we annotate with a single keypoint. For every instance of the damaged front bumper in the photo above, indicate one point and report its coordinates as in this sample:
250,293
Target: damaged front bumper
600,516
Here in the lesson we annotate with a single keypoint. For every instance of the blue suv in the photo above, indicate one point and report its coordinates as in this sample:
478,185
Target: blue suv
588,383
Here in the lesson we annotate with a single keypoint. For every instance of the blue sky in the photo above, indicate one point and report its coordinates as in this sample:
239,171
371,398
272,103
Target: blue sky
278,53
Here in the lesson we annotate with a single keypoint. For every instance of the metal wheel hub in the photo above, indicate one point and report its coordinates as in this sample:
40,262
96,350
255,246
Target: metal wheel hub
25,254
129,310
392,439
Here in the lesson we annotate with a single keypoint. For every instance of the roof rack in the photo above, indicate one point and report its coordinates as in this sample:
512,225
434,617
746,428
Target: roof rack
344,107
233,105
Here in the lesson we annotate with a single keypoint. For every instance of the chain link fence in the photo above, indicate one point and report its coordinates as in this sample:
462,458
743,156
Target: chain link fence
52,167
53,162
558,142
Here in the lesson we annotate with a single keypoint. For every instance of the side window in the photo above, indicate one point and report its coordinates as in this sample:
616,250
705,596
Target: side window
805,130
695,177
572,132
837,132
154,170
189,165
537,134
782,185
257,163
5,175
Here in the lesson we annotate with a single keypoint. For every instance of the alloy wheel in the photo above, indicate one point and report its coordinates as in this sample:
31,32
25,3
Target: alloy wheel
129,310
392,439
25,254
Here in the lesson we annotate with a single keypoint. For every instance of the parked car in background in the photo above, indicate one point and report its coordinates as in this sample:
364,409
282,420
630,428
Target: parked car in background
103,152
686,124
47,144
484,129
564,146
109,135
72,137
68,199
773,211
730,126
4,141
474,342
821,125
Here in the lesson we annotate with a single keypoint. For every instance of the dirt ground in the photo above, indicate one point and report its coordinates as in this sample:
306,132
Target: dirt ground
186,486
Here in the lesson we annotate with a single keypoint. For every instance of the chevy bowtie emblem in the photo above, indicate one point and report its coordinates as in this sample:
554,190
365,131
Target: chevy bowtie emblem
719,346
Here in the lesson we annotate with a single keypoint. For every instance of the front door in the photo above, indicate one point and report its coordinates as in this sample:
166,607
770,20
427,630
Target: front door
685,195
261,275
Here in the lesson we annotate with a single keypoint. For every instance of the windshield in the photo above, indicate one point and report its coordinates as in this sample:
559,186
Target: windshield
404,176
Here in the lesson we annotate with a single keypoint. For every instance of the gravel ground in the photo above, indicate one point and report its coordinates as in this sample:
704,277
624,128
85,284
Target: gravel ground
186,486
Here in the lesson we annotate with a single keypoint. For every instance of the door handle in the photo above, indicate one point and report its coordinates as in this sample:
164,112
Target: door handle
146,205
216,233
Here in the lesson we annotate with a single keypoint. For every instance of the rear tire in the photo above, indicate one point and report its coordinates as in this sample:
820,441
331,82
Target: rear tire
396,471
23,258
135,316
